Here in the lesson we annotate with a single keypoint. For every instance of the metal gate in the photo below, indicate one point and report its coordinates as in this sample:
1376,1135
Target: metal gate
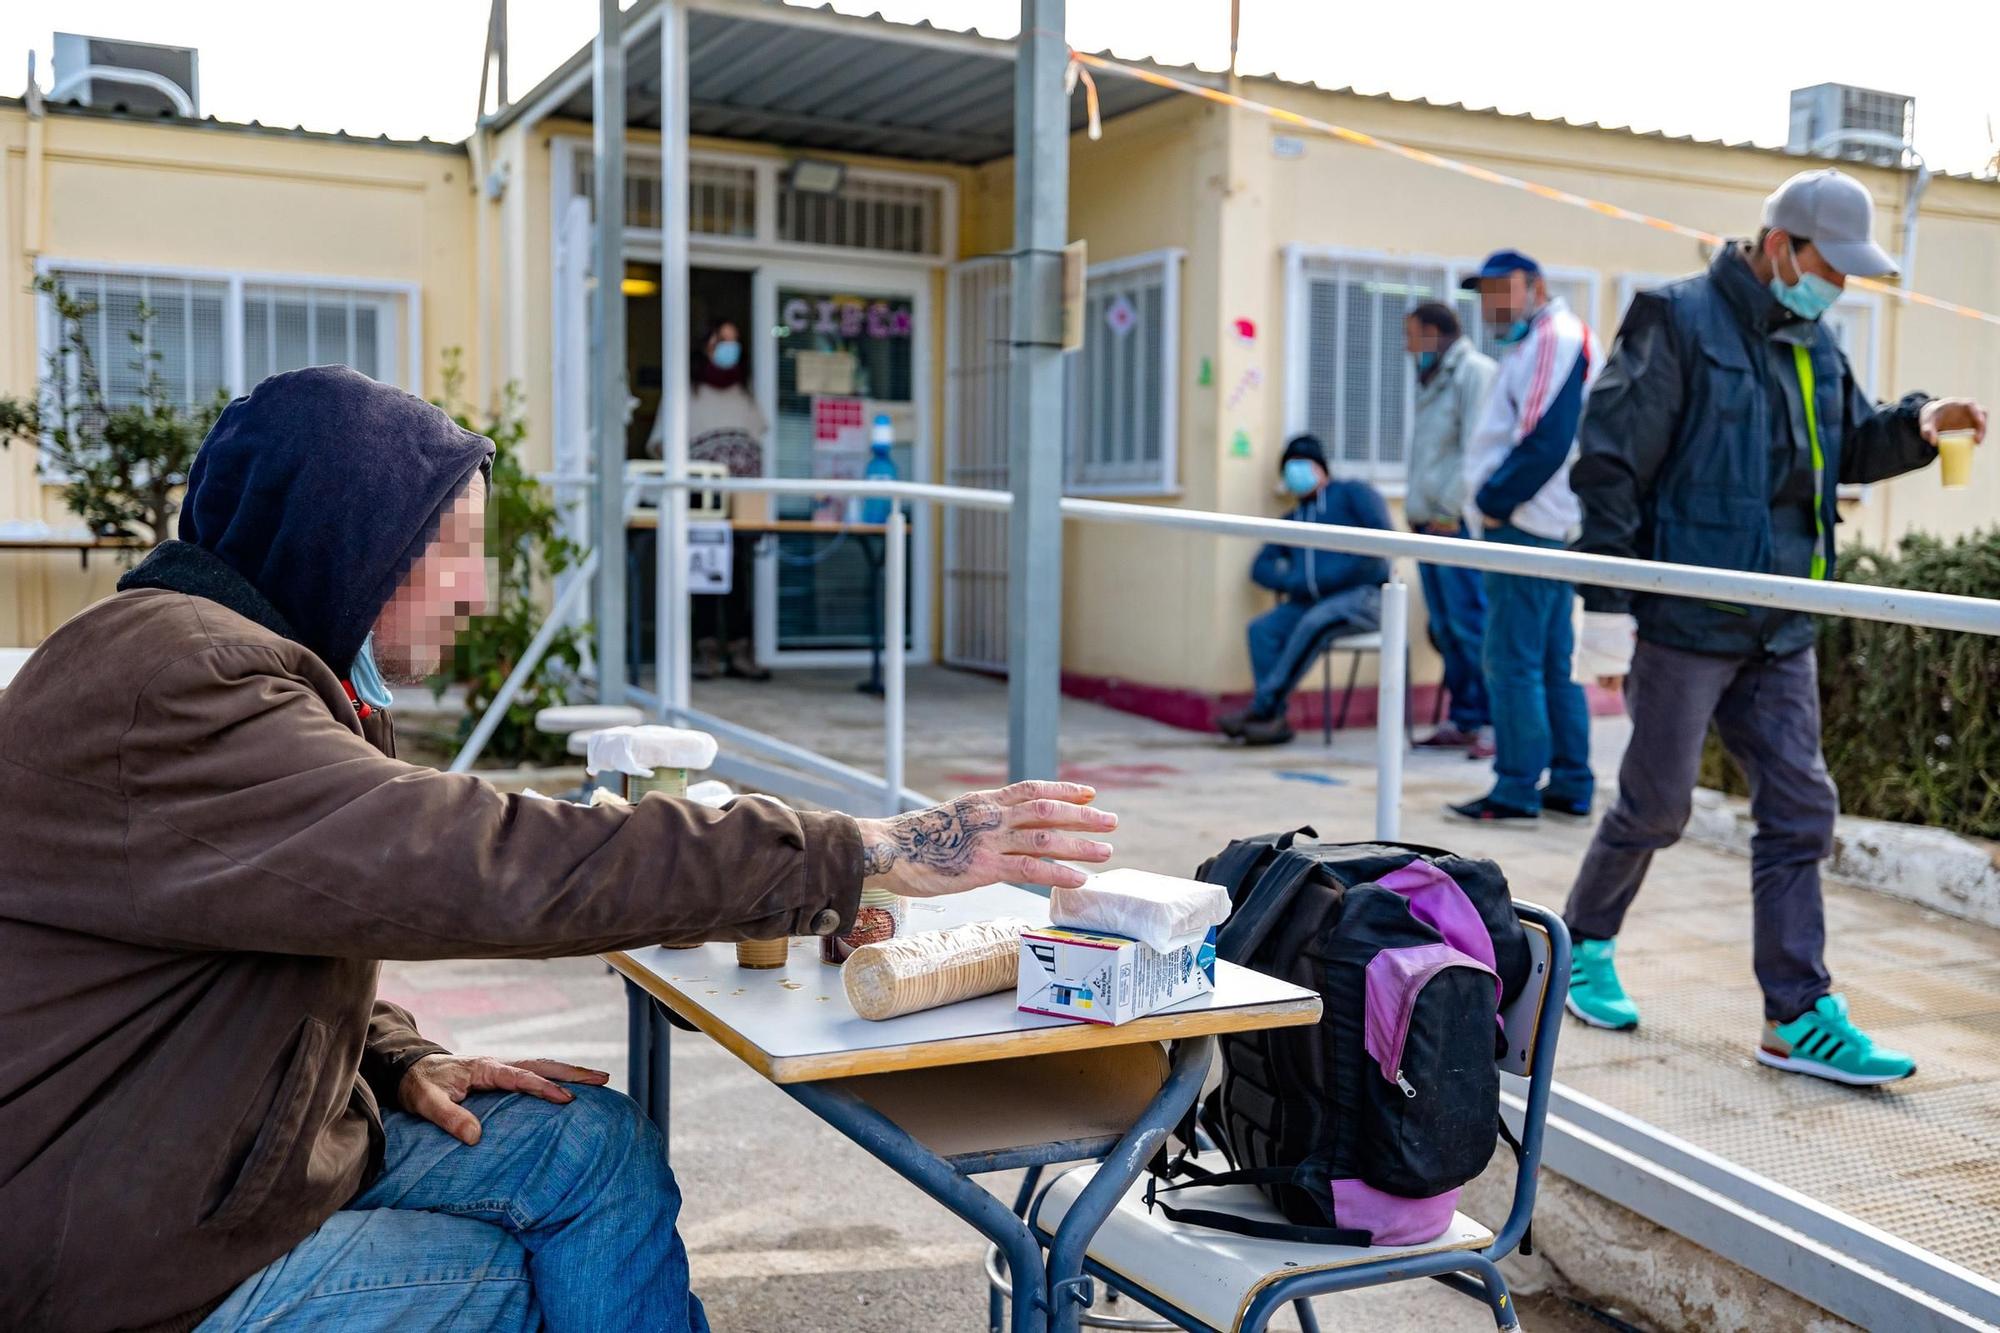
975,454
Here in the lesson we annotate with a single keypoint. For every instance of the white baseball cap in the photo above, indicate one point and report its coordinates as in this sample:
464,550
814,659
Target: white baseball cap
1832,210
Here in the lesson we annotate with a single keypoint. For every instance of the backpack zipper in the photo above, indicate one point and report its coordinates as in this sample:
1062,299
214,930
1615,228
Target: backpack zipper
1404,1084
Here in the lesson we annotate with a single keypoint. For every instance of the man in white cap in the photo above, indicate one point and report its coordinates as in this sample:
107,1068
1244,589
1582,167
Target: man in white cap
1725,420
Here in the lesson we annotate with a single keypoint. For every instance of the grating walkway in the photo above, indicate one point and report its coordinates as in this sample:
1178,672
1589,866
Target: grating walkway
1920,1160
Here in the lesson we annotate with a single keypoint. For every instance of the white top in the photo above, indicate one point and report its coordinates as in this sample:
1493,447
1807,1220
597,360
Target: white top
793,1024
724,426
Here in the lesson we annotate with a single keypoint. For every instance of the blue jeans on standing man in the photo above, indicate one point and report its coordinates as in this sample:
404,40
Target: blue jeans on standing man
1455,605
1285,639
559,1218
1541,721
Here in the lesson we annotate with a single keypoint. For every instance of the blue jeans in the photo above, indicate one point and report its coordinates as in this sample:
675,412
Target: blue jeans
1284,640
1455,599
1541,722
560,1218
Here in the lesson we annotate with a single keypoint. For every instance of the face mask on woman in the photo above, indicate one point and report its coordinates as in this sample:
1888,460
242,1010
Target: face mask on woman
726,355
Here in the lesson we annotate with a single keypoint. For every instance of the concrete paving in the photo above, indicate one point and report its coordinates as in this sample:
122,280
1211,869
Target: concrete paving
791,1227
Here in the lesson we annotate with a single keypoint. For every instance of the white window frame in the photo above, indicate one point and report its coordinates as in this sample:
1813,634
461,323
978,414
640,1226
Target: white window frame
1391,479
236,280
1165,480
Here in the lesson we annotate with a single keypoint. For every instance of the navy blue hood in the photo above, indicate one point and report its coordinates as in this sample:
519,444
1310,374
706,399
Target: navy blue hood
321,488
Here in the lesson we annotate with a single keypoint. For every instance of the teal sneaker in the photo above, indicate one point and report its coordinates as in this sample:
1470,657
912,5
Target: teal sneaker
1824,1042
1594,993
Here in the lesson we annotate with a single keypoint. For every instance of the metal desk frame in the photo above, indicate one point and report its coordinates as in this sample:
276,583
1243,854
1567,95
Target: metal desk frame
1061,1288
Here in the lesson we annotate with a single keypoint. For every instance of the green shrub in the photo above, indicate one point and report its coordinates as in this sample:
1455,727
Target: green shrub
524,541
1909,713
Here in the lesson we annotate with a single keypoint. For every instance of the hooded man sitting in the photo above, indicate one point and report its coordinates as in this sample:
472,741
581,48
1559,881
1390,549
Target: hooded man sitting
207,1119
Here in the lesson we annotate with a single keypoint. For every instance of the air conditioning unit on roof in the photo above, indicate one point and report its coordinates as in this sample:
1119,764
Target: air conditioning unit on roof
139,77
1831,108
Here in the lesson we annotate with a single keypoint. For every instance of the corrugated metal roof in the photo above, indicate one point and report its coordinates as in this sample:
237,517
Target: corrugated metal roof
816,79
172,122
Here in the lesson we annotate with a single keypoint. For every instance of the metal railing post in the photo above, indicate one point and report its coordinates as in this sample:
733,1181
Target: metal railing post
1393,678
895,578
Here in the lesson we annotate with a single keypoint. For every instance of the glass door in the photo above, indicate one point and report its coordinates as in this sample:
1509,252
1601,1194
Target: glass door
844,357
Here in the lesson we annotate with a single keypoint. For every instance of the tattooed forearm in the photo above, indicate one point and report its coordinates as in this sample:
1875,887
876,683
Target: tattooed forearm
943,837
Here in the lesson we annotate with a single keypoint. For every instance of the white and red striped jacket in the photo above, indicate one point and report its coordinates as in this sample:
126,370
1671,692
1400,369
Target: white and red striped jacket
1517,460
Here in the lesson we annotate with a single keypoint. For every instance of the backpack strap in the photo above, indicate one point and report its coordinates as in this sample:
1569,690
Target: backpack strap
1520,1162
1264,906
1249,1226
1240,856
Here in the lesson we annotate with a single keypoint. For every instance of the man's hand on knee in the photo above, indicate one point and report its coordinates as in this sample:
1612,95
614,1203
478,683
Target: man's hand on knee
436,1084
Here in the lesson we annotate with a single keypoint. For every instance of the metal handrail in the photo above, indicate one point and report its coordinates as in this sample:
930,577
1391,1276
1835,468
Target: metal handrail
1976,615
1934,610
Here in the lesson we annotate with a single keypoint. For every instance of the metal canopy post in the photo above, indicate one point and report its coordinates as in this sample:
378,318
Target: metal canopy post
671,611
607,347
1035,453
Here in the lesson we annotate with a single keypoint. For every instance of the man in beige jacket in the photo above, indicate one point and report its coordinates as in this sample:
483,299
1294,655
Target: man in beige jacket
206,1117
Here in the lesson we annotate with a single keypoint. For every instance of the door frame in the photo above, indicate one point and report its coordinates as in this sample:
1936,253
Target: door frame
875,278
769,266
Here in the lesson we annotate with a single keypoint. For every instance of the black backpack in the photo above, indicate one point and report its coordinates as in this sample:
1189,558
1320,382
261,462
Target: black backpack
1361,1128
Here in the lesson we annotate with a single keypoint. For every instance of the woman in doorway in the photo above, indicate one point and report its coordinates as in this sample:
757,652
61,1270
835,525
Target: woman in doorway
726,427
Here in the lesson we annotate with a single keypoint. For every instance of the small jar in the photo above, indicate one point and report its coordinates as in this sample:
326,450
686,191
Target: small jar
762,954
666,781
880,918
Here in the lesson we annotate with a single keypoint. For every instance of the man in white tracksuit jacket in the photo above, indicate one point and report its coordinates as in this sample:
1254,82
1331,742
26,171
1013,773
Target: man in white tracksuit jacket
1517,491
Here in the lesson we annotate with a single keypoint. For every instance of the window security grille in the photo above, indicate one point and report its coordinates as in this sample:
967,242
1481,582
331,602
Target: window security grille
1359,383
1122,384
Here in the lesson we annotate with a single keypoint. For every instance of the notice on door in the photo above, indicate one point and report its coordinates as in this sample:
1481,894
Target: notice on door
711,549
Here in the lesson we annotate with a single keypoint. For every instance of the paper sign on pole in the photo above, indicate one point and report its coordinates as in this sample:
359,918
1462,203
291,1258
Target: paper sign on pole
1075,262
711,552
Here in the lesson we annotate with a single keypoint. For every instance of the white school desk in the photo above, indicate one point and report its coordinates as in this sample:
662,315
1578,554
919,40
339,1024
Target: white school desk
946,1094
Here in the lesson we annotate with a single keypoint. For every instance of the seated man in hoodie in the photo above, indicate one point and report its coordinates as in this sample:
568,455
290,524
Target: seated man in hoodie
1325,595
207,1119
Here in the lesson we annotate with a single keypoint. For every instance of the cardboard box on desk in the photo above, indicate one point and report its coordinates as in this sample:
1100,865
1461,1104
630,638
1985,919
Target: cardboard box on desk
1109,979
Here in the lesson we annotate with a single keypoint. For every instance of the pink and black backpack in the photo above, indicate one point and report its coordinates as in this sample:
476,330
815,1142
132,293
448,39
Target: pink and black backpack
1362,1128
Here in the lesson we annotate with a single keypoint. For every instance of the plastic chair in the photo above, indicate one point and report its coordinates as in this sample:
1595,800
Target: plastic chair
1210,1281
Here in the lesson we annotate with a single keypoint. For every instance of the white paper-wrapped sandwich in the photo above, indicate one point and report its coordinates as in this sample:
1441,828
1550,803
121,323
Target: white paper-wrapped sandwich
1159,911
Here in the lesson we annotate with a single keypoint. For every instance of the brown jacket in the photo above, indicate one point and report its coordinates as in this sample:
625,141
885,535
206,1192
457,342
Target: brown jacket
204,856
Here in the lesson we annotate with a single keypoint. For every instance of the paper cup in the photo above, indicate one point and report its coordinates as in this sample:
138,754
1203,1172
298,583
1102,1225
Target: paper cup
762,953
1955,459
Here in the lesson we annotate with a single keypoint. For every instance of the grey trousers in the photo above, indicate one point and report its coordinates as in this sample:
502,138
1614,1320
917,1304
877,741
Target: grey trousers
1767,713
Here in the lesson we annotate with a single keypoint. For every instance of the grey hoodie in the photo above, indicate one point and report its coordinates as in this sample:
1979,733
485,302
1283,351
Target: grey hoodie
1447,410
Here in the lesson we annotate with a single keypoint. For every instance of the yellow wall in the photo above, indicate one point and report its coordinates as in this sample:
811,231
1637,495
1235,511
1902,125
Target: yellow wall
117,191
1245,205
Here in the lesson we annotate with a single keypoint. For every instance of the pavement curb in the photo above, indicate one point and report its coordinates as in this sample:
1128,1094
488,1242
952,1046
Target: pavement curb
1933,868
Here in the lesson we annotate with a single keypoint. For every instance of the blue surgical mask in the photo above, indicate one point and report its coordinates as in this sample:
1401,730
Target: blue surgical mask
726,355
366,677
1513,333
1425,362
1301,476
1808,298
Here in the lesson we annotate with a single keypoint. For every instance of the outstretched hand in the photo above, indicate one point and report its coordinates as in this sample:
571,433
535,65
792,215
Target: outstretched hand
435,1085
1019,834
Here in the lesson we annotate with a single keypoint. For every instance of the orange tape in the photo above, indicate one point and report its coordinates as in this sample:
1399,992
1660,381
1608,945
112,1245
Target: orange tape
1430,159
